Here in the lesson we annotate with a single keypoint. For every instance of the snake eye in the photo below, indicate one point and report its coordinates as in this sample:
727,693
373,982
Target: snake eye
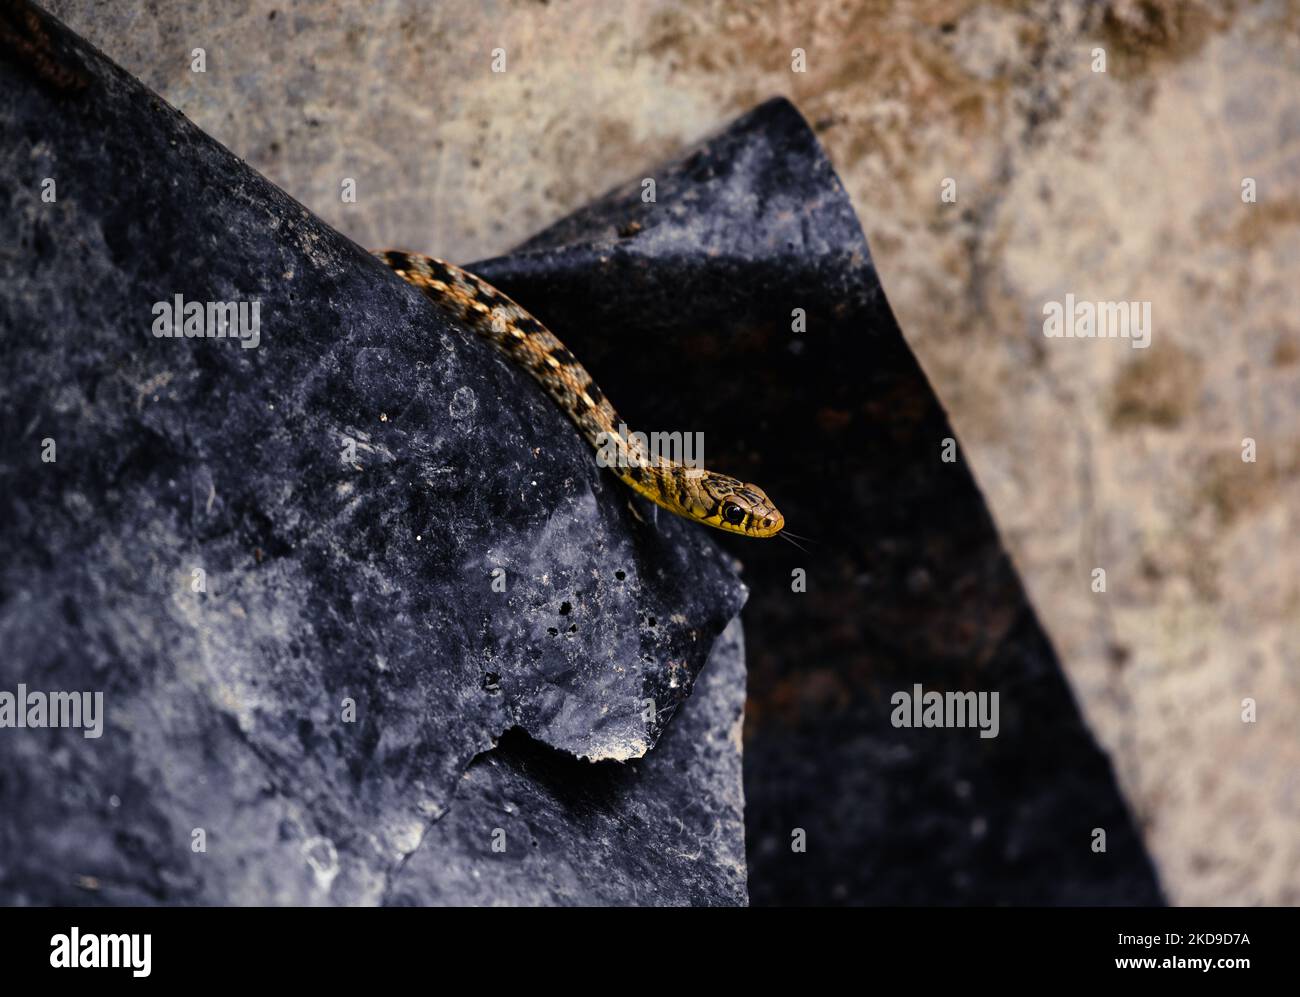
733,514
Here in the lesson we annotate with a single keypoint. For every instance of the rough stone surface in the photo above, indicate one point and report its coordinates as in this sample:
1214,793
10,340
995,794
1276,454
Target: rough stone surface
348,490
1114,184
575,827
1117,185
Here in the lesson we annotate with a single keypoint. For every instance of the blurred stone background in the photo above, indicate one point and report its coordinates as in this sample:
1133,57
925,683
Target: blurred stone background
1123,185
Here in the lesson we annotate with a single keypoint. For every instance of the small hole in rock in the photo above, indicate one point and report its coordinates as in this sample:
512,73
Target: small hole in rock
620,574
565,609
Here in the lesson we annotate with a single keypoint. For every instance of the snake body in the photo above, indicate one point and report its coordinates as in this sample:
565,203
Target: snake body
695,493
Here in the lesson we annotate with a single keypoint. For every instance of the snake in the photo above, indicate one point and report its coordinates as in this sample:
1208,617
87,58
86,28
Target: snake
695,493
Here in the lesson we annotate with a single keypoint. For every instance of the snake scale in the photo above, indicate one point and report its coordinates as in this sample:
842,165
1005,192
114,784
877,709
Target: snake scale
695,493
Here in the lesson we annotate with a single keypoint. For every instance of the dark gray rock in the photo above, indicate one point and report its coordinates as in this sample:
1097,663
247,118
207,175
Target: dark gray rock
666,829
348,489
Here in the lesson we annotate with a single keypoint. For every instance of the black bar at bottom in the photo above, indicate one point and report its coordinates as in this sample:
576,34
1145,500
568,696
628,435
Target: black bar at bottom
242,945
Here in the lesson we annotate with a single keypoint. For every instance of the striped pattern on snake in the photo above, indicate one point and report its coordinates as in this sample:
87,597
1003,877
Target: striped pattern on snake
704,496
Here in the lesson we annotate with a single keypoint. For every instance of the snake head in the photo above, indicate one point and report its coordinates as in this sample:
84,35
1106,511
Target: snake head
744,508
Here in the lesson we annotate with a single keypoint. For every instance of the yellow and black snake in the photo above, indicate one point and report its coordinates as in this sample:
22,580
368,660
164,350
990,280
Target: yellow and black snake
697,494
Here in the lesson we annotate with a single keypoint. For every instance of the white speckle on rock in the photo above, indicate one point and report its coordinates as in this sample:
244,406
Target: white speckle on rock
463,403
323,858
